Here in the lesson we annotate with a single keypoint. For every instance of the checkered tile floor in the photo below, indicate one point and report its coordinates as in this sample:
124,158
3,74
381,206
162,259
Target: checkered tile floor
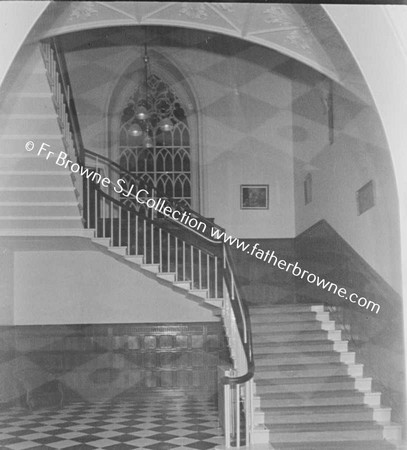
156,423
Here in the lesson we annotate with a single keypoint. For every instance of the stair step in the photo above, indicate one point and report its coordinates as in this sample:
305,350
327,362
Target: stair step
335,431
30,195
28,179
301,358
186,285
345,382
285,309
136,259
261,317
15,144
43,137
105,241
19,161
153,268
218,302
40,222
272,348
55,230
308,370
35,103
305,380
324,414
119,250
41,209
325,398
292,326
167,276
203,293
37,124
300,336
343,445
34,81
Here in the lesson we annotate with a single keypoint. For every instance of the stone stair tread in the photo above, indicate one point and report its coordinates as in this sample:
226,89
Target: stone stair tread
361,385
298,354
301,333
286,322
276,348
302,388
294,316
301,366
328,426
313,395
344,445
292,337
287,308
308,325
322,380
309,410
301,360
263,319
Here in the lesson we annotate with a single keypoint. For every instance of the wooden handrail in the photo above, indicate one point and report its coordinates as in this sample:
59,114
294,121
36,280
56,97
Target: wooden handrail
144,217
241,312
68,96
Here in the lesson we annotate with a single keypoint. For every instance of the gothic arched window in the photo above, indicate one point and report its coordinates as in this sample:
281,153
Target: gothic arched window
167,164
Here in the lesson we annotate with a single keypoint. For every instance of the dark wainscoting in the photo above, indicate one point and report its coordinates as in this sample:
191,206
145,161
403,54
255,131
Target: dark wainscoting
8,390
106,361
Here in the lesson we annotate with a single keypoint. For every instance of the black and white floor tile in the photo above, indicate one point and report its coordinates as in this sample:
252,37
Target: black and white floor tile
152,423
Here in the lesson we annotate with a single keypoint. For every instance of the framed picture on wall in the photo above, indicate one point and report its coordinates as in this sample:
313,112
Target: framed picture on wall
254,196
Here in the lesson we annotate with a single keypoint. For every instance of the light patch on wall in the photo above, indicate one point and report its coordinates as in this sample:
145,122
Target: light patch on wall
365,197
327,99
308,189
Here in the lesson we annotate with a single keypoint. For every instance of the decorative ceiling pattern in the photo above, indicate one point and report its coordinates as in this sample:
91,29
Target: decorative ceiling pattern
303,32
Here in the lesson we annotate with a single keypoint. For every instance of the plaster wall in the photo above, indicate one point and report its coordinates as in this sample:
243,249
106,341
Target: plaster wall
71,281
357,154
243,111
13,33
6,288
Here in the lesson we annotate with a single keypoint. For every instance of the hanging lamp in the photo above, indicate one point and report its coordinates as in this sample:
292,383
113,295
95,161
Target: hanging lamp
143,126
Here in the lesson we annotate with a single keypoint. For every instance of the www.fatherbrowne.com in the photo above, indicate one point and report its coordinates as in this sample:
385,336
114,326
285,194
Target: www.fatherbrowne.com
193,223
294,269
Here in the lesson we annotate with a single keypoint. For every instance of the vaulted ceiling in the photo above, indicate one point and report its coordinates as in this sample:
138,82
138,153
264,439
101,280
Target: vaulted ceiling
303,32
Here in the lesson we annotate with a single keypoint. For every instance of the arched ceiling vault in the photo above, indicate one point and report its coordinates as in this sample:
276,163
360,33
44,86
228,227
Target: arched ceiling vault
302,32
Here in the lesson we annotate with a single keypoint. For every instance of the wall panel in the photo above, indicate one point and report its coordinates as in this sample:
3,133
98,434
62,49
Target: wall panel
103,362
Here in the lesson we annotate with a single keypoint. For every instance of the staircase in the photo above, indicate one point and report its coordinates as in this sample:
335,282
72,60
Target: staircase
309,392
37,197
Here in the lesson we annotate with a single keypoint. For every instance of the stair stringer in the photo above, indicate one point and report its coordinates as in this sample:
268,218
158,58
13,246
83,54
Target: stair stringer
165,278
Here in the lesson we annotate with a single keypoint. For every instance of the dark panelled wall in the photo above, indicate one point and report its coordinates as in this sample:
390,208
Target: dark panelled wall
262,282
105,362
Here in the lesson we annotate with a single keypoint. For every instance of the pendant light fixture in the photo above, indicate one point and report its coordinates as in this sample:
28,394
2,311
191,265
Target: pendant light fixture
142,126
